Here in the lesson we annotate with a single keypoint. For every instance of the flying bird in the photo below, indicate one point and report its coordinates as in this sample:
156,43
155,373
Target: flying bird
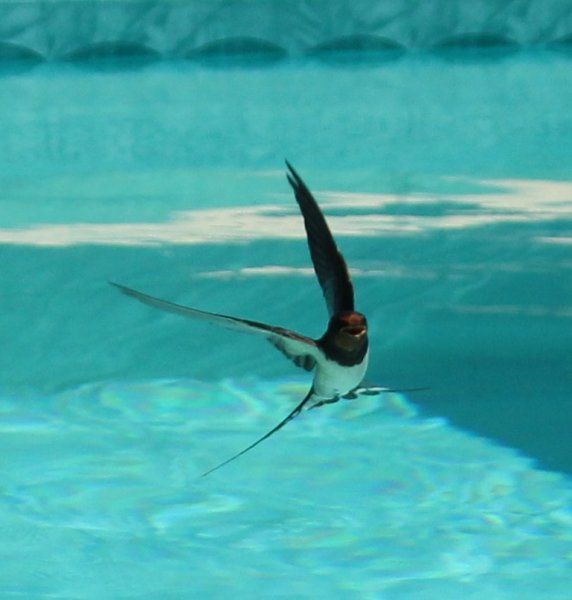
339,358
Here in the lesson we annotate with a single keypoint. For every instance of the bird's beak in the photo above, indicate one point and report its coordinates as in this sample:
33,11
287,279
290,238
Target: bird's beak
355,330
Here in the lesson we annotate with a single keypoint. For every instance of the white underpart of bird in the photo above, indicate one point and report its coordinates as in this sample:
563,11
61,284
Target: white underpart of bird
330,380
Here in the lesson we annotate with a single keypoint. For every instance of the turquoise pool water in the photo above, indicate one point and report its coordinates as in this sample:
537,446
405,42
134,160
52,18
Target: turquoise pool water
448,187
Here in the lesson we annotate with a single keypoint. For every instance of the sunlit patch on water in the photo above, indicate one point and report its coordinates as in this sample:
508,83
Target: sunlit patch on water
367,215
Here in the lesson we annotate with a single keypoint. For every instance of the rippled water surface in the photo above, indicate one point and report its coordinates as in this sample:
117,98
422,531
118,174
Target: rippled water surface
448,188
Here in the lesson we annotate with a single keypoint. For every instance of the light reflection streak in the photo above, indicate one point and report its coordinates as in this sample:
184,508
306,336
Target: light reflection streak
277,270
513,309
517,196
562,240
520,201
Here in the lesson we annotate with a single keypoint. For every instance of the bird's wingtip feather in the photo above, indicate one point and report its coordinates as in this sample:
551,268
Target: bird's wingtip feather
293,174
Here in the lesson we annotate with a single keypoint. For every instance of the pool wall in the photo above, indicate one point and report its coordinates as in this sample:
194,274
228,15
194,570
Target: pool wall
78,29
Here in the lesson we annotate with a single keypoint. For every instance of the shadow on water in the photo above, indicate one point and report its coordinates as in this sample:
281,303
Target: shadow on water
240,52
112,57
357,51
15,59
477,48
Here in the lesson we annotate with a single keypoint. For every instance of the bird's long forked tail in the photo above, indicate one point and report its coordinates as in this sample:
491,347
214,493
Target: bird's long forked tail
376,390
291,416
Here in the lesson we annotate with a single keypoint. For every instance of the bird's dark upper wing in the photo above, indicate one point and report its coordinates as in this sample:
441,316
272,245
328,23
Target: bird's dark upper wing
329,264
303,351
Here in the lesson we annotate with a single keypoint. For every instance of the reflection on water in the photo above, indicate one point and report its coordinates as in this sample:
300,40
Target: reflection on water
521,201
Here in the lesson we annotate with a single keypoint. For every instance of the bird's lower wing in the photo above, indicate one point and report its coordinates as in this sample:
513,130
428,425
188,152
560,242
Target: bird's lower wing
302,350
291,416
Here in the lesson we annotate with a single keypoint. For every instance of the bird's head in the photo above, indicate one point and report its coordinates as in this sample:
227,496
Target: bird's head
349,330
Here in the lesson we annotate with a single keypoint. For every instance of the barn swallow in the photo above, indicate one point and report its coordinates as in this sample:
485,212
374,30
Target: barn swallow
339,358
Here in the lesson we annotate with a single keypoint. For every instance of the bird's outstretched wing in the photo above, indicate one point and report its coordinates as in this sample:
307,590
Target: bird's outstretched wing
291,416
329,264
302,350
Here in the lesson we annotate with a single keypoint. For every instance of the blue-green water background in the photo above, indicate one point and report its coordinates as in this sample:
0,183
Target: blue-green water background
449,186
